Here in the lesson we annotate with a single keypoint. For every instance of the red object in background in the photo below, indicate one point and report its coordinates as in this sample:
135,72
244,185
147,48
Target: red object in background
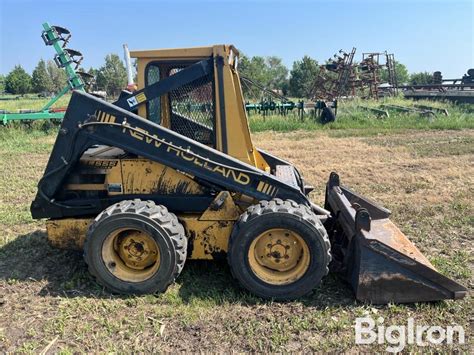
58,109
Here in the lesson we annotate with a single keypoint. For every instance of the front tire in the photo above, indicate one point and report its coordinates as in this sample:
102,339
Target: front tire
135,247
279,249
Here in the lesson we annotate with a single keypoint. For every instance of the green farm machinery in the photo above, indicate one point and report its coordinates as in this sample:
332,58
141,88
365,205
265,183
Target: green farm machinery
65,58
273,103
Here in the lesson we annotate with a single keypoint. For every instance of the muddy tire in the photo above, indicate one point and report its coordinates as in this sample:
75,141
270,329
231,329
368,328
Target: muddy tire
279,250
135,247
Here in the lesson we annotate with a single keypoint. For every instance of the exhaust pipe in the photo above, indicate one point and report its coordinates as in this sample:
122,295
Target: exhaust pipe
131,86
377,259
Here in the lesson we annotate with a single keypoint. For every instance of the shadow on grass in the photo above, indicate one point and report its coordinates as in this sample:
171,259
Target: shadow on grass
29,257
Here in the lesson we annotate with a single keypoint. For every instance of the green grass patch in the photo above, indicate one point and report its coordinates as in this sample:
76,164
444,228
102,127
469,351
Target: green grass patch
351,116
35,138
32,103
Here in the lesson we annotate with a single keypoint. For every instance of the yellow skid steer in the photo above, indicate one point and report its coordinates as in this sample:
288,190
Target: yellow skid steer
169,172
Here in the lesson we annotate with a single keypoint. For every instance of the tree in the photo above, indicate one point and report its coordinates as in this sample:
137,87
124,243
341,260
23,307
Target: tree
58,76
422,78
112,77
41,80
267,71
401,74
18,81
278,74
2,83
302,76
255,69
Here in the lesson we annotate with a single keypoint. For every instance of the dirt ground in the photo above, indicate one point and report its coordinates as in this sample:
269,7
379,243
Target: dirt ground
49,302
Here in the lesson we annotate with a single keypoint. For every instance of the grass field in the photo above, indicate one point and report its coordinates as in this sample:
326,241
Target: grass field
351,116
425,176
33,103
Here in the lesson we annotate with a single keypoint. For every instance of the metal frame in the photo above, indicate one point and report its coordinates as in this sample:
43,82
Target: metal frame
83,127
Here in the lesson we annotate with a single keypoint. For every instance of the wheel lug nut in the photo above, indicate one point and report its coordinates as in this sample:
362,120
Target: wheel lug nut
278,241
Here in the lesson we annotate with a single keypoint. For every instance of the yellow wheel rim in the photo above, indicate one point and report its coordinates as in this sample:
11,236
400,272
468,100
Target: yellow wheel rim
131,255
279,256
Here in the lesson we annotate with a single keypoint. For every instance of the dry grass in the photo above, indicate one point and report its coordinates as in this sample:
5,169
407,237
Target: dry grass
426,178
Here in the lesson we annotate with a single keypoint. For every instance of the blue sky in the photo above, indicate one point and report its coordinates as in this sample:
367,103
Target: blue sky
424,35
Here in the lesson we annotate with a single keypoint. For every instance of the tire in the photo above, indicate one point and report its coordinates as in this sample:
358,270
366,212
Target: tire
156,247
327,115
273,216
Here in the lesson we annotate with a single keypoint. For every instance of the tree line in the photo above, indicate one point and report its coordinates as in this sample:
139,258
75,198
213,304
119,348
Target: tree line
269,71
47,78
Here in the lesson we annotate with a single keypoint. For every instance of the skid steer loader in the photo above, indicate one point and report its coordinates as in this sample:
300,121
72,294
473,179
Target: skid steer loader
169,172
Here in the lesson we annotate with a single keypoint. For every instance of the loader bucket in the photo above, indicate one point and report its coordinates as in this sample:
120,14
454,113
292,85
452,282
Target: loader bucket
377,259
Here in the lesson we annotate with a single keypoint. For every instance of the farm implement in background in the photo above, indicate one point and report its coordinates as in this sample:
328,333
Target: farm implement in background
423,110
459,90
271,103
65,58
340,77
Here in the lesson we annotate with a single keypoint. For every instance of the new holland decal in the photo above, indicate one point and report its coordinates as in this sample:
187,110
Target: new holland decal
227,172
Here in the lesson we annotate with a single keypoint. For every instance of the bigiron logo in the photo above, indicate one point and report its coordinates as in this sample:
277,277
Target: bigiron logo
398,336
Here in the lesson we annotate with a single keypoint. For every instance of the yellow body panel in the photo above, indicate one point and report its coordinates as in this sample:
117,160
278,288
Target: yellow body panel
68,233
228,211
208,239
143,176
173,53
136,176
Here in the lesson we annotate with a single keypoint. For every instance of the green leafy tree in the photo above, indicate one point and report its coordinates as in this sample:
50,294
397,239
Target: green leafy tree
2,83
401,73
277,73
41,81
112,76
270,72
422,78
254,68
18,81
246,70
302,76
58,76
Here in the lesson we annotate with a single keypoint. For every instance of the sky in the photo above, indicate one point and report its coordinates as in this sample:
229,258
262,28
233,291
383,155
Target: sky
424,35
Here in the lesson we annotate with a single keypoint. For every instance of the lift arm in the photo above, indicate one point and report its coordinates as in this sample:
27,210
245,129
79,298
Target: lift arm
91,121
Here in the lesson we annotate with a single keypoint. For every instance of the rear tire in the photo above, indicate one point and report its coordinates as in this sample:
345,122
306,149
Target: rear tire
135,247
327,115
279,249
